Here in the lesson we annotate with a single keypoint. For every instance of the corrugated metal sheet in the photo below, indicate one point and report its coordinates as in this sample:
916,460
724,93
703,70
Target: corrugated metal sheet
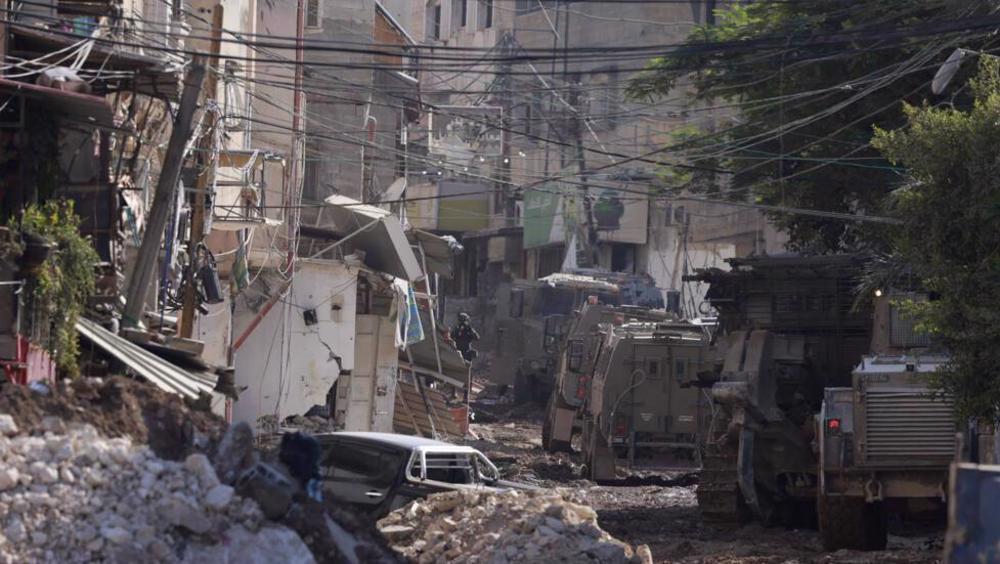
164,375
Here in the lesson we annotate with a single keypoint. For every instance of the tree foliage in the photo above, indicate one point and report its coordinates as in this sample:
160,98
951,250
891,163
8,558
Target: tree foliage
60,289
800,101
951,235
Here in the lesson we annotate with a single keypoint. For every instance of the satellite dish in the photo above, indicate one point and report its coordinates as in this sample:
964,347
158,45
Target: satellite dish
947,71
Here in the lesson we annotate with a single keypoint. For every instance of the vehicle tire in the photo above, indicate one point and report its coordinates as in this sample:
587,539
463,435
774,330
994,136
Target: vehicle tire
850,522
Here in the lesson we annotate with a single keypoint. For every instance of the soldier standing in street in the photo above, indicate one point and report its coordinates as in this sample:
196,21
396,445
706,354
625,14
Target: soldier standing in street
464,335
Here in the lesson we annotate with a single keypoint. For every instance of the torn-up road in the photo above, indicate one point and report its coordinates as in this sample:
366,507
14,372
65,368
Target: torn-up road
662,511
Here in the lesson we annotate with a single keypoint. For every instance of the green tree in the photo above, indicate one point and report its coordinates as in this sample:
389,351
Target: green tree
950,238
804,82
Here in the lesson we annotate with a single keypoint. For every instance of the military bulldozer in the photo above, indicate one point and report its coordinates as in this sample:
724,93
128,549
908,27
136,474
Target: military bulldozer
887,440
787,329
575,365
641,410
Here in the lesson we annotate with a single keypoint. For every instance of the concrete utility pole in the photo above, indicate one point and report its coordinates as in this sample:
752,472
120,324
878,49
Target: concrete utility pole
504,193
292,195
588,241
166,194
206,165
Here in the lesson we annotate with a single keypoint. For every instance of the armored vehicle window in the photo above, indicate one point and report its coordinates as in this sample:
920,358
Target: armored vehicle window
576,355
557,300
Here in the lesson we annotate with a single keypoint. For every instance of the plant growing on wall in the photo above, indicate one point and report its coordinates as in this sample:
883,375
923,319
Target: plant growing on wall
60,288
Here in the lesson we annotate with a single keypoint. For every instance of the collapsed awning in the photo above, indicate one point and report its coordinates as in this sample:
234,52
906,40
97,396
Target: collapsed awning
164,375
377,233
438,251
84,108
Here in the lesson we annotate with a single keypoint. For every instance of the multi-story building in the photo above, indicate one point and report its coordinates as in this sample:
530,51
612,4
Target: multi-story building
553,186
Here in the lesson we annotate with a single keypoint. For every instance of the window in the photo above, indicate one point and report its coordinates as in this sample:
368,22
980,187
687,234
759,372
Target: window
653,368
434,21
234,106
451,468
313,14
516,303
576,356
605,96
459,14
485,14
344,462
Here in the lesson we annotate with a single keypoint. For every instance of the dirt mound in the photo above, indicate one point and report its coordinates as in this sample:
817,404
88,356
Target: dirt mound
117,407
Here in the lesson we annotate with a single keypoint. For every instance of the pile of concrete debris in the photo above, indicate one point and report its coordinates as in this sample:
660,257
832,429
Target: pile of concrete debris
499,528
75,496
164,491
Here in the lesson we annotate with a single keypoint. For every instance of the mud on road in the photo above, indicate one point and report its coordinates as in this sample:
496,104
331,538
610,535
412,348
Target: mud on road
662,511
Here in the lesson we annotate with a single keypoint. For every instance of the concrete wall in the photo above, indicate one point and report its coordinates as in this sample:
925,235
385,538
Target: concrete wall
354,114
288,366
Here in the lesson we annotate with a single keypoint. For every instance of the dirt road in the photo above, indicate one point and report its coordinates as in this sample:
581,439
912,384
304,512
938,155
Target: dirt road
662,512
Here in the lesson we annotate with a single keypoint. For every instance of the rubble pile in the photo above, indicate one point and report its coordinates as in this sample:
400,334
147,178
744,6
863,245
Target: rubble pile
506,527
117,470
76,496
116,407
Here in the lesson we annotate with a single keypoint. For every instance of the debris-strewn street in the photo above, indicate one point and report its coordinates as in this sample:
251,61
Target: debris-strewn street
500,281
662,511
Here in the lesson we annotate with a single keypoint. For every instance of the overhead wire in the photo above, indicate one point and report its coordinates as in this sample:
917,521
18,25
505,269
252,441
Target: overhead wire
545,140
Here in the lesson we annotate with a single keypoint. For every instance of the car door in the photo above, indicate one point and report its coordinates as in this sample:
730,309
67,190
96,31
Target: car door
360,474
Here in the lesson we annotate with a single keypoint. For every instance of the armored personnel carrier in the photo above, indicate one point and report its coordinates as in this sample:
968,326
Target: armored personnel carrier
575,366
641,409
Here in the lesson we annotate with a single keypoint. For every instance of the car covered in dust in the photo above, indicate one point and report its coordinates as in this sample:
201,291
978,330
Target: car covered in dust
376,473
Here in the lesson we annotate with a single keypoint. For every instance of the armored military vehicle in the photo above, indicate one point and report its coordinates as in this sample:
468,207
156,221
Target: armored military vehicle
788,328
886,441
578,351
641,410
532,318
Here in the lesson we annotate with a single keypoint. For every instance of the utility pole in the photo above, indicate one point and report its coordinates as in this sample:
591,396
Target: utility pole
291,187
166,194
206,177
506,195
588,231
